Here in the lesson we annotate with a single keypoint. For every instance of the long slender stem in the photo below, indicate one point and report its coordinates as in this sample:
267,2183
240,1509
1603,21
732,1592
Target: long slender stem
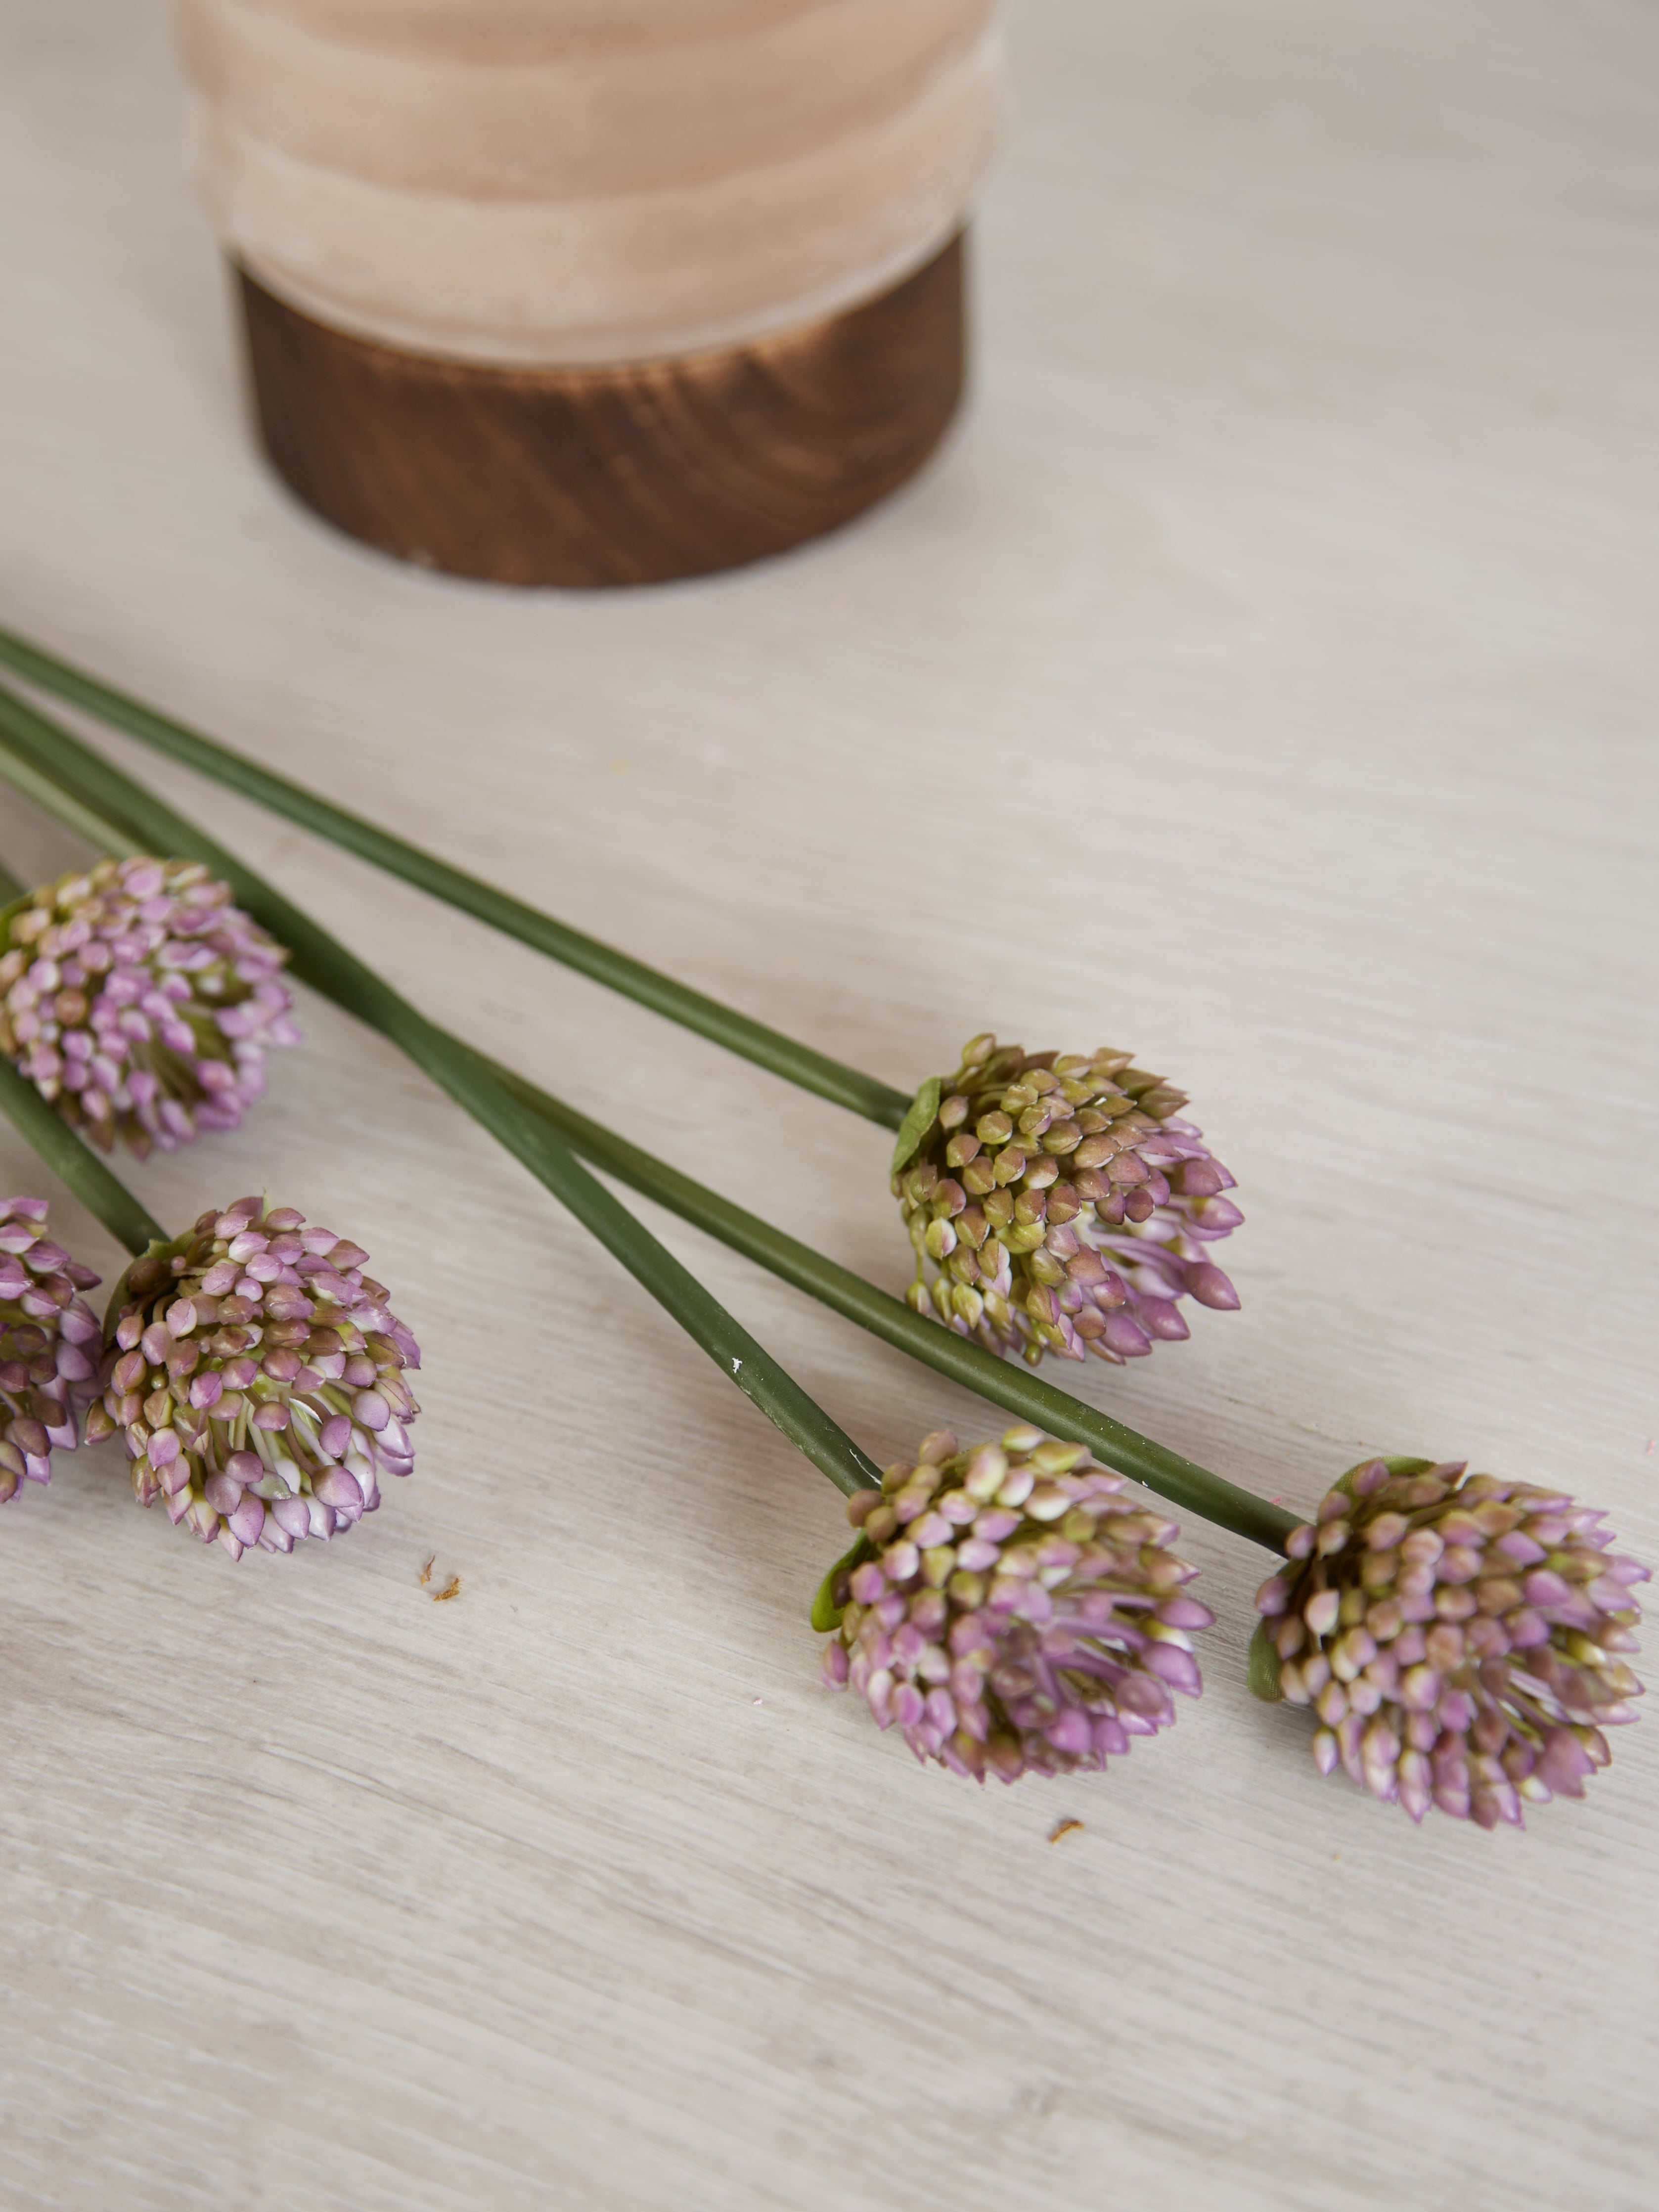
1011,1386
325,962
11,887
798,1063
70,806
78,1169
1015,1388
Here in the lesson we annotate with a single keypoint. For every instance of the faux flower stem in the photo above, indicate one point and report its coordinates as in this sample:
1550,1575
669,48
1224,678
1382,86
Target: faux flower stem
782,1056
77,1169
327,965
1013,1387
66,802
324,964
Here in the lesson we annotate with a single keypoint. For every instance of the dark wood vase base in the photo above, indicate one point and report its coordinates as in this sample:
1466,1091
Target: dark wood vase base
630,475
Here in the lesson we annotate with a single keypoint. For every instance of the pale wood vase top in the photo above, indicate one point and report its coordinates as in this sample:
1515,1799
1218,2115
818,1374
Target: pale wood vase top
595,291
551,182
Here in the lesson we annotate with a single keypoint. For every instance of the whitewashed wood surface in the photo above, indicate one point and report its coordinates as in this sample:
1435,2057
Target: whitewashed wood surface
1264,679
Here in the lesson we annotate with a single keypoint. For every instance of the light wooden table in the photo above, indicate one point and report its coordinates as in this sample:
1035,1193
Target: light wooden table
1265,679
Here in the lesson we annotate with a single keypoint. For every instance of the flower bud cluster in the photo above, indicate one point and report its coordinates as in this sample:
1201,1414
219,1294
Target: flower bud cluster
1063,1206
1017,1612
1463,1641
48,1344
140,1002
256,1378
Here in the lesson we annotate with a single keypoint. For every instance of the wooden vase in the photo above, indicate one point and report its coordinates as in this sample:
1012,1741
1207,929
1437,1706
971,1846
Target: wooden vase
594,292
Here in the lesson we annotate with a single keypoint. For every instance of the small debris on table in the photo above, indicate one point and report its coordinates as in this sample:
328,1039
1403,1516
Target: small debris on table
426,1571
451,1589
1061,1829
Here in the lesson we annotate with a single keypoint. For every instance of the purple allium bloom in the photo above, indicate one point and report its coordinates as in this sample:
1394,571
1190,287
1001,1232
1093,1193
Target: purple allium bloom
48,1344
140,1002
1461,1639
1016,1614
1063,1206
255,1377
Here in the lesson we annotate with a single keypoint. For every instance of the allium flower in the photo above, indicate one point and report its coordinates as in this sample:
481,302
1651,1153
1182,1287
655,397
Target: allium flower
48,1344
140,1002
1461,1638
1017,1612
1033,1166
256,1378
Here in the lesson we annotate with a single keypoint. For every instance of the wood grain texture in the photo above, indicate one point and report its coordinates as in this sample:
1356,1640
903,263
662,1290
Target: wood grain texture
1265,680
635,475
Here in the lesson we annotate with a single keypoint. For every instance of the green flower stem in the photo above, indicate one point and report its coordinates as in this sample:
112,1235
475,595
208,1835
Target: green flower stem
11,887
75,1167
1004,1383
321,961
1013,1387
55,797
782,1056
